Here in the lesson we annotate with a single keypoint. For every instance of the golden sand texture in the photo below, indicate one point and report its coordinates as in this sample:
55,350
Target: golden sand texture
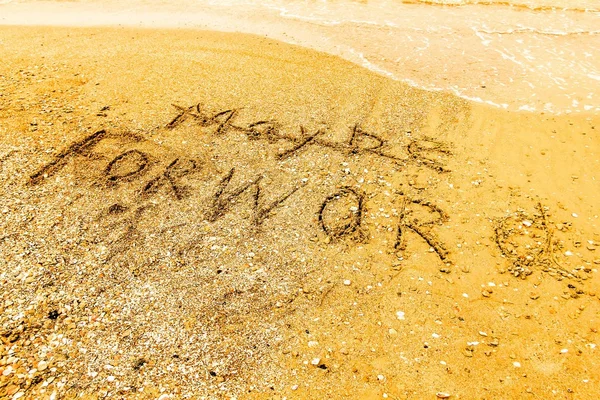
189,214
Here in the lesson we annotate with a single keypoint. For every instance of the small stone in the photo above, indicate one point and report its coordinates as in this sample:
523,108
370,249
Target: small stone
315,361
442,395
575,215
400,315
347,282
392,331
42,365
295,387
517,364
164,397
534,296
110,378
344,351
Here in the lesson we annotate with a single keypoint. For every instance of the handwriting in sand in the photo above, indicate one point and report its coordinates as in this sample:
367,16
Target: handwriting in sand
131,166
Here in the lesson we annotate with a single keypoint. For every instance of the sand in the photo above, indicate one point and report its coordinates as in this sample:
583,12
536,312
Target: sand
192,214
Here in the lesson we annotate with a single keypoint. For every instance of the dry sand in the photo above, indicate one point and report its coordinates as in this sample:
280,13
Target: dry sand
297,227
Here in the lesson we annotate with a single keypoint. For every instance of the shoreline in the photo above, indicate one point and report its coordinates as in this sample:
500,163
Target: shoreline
489,80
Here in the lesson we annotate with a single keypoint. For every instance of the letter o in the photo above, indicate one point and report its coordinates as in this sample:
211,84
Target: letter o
349,225
126,165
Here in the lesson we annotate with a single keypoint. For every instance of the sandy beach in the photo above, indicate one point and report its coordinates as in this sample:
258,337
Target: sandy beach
200,215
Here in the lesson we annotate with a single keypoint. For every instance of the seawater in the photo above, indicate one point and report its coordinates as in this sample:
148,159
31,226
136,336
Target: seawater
529,55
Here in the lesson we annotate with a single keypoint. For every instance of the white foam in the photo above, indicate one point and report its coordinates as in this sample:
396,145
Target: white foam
510,58
526,108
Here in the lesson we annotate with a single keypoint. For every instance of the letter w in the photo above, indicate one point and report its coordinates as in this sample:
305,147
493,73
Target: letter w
223,199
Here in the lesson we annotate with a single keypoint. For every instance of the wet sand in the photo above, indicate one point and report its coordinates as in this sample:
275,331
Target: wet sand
294,227
519,55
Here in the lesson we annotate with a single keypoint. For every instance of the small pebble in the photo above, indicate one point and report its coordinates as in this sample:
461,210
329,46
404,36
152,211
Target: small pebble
347,282
400,315
42,365
315,361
